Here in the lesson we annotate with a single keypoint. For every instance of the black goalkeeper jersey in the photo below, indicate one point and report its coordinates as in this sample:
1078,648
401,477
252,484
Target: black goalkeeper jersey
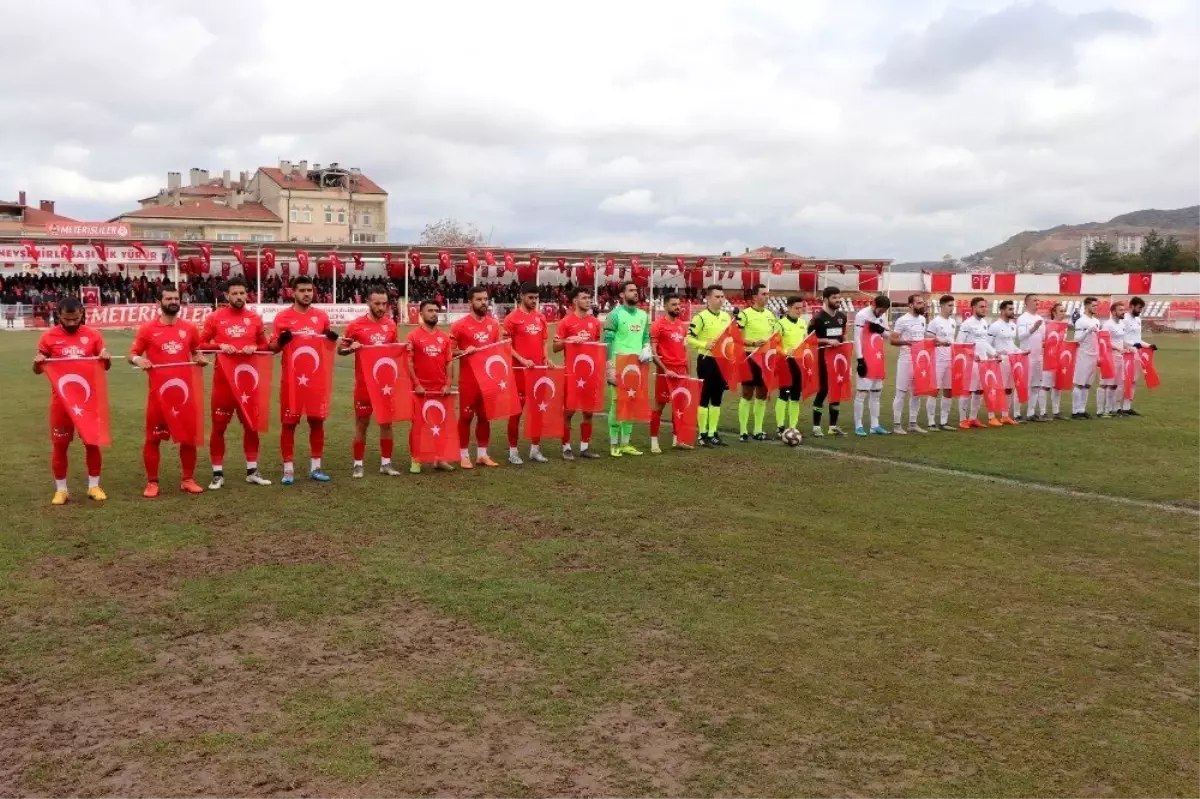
829,325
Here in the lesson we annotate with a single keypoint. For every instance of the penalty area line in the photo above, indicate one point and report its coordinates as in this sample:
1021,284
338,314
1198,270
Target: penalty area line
1008,481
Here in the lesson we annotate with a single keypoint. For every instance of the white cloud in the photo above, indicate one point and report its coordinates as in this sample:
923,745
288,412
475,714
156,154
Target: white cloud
638,202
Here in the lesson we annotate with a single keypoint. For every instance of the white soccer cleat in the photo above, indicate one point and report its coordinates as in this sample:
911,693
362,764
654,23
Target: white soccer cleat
217,481
388,470
515,459
257,479
538,457
898,430
916,428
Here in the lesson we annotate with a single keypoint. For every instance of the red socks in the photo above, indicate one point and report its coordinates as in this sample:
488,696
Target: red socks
287,442
316,437
385,448
151,458
358,449
94,460
655,424
187,460
58,459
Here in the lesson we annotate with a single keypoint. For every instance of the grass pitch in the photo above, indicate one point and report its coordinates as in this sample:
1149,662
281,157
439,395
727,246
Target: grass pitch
757,620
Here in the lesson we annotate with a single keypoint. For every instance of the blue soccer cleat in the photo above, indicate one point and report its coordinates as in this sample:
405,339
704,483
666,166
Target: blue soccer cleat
319,476
858,431
287,479
879,430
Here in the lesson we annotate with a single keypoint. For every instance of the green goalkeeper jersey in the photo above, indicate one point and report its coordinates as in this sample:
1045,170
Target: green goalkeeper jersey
627,330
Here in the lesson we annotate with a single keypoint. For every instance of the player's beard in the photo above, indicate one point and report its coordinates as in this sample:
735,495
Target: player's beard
170,310
237,305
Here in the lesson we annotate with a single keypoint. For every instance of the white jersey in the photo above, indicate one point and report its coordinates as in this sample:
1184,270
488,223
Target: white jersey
1131,330
1031,340
910,328
1004,336
1115,332
974,330
943,329
861,320
1086,328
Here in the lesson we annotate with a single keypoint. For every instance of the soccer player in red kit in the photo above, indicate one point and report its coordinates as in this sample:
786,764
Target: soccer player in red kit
166,340
577,326
70,338
232,329
477,329
300,320
668,341
527,329
431,352
372,329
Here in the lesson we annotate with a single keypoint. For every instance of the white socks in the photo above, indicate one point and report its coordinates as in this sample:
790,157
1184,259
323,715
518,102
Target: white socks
860,402
875,408
314,464
60,485
93,481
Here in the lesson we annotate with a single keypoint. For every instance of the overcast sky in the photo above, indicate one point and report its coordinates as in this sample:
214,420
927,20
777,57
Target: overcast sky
840,128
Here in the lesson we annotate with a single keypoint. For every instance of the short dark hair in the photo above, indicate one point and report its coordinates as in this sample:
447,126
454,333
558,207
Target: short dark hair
236,280
471,292
421,307
1006,304
794,299
1027,296
1086,300
166,286
1138,301
882,302
575,292
69,305
671,296
528,288
708,292
945,298
912,298
976,300
626,284
301,280
758,287
830,291
375,288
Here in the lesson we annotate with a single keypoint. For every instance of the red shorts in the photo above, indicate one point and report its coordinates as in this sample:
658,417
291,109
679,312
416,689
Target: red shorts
362,400
224,404
61,426
156,420
470,399
662,388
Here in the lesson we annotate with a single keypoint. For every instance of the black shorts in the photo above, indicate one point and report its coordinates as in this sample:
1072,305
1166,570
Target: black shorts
791,393
708,370
756,378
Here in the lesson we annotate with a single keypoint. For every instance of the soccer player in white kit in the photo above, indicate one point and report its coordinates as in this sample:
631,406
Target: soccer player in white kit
942,328
1003,333
1131,323
1108,395
974,330
909,327
1086,328
1031,332
873,318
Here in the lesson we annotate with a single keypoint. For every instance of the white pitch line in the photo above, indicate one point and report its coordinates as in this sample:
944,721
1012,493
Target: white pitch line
1008,481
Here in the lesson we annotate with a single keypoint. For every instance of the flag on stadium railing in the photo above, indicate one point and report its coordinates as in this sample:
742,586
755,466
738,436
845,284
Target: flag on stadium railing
544,394
685,399
632,388
1018,366
837,370
991,380
308,375
805,356
1149,373
962,364
384,371
1064,374
493,371
1128,373
82,388
1104,355
585,364
872,350
771,363
924,354
729,349
1056,334
249,378
179,391
434,435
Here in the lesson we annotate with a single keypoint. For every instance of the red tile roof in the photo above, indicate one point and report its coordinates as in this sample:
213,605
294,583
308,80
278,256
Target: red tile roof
36,216
204,209
364,184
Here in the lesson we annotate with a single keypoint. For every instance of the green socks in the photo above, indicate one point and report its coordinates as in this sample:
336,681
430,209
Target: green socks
794,414
714,418
760,415
781,411
744,416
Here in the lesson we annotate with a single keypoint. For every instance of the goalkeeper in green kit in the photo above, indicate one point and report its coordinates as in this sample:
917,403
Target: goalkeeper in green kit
627,331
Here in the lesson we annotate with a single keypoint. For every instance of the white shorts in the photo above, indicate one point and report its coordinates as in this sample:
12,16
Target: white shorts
866,384
1036,375
904,372
1006,374
943,373
976,386
1085,369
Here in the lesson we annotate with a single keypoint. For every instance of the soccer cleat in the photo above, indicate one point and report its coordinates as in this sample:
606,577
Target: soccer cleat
217,482
947,428
465,463
319,476
150,491
900,431
978,425
916,428
879,430
994,422
681,445
614,451
388,470
443,466
717,442
287,479
1132,412
744,438
1008,421
568,455
257,479
485,460
837,432
587,454
1120,412
515,460
1059,417
761,437
191,487
60,498
779,434
356,471
537,457
655,449
818,433
965,424
414,468
1104,415
860,431
630,449
702,440
97,493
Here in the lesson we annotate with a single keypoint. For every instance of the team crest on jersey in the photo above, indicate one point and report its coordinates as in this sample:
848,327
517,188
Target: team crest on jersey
312,319
182,334
172,347
84,339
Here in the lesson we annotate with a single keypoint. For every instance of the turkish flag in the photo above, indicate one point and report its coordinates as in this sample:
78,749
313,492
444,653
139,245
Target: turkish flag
1104,355
302,261
1139,282
872,350
1149,373
173,248
249,379
769,360
1070,283
308,375
30,249
384,371
585,363
1018,365
493,370
206,251
924,355
730,351
632,389
805,356
991,380
82,388
101,252
434,435
1006,283
981,281
545,391
1056,334
939,282
1129,366
685,398
962,361
868,280
179,391
837,368
239,252
1064,367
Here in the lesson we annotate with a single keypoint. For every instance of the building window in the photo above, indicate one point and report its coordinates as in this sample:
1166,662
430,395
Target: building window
366,219
191,235
262,237
292,215
341,217
328,216
308,216
228,237
364,238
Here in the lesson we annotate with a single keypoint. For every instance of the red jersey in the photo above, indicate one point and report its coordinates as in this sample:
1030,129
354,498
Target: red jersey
668,340
85,342
366,331
312,322
574,325
472,332
239,329
528,331
166,344
431,356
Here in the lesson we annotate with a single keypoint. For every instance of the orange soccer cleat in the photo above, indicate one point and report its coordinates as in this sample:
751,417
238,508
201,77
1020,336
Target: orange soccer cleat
465,463
994,422
978,425
484,460
151,491
965,424
191,487
1008,420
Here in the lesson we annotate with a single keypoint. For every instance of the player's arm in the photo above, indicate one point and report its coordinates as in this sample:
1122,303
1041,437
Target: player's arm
329,332
261,342
100,349
281,338
41,355
559,343
610,332
346,343
136,352
208,332
693,335
194,344
895,337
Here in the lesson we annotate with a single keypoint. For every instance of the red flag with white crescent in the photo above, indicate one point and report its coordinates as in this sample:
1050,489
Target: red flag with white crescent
730,351
308,375
1104,355
837,370
769,359
434,434
239,252
805,356
173,248
82,388
632,389
249,378
1129,373
384,371
1056,334
206,251
30,249
924,361
585,363
493,370
302,262
1064,367
872,350
544,395
138,247
962,362
179,391
991,380
1018,365
1149,373
685,399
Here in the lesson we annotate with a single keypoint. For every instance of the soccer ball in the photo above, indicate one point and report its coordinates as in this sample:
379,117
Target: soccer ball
792,437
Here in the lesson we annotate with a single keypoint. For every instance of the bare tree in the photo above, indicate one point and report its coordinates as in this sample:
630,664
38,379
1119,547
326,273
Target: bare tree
449,232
